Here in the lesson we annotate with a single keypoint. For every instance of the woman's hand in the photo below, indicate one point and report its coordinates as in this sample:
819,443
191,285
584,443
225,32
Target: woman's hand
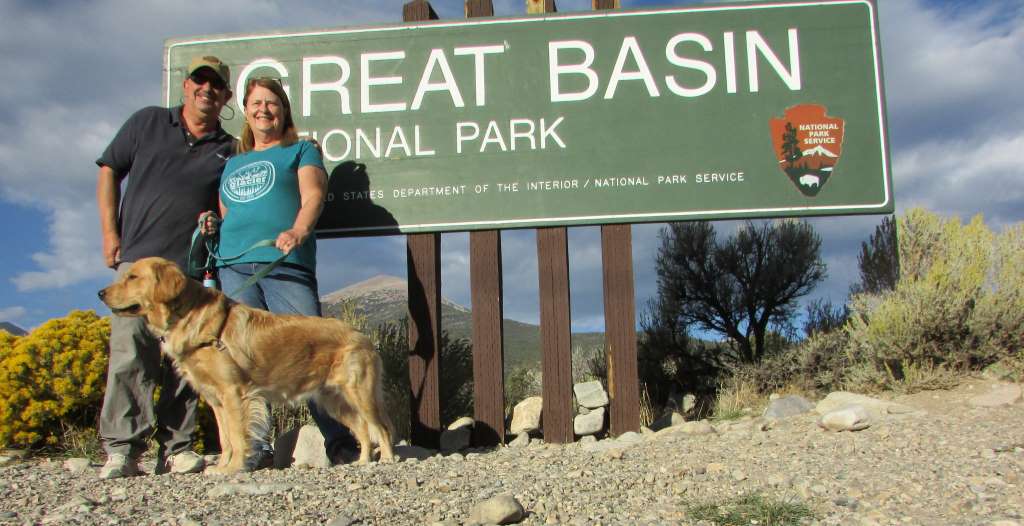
289,240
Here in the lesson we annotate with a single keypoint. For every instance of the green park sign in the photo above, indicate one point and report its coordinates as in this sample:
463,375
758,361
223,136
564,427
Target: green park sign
712,112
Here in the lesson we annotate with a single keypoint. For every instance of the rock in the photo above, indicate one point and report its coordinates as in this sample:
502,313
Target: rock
521,440
503,509
301,447
590,423
456,439
689,403
851,418
526,415
876,408
787,406
1000,395
590,394
667,420
701,427
629,437
342,520
414,452
76,465
466,421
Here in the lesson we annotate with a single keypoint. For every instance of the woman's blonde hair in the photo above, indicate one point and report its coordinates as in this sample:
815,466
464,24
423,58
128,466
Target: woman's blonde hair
246,142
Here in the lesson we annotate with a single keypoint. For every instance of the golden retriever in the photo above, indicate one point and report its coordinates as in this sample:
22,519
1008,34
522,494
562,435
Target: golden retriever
236,357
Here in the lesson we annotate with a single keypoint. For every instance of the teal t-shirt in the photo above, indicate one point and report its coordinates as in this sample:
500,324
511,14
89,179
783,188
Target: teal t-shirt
261,192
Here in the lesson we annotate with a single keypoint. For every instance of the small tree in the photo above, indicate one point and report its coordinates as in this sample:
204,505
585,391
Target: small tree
879,261
791,145
739,287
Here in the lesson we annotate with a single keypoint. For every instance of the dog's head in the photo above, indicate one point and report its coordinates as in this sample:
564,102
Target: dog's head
147,287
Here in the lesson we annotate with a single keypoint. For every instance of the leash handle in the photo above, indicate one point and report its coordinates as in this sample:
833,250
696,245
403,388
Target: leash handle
200,238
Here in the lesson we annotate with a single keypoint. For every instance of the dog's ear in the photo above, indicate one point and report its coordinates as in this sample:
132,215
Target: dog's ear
170,282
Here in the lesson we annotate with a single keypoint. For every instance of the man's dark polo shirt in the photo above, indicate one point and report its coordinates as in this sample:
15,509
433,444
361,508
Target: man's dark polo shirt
172,177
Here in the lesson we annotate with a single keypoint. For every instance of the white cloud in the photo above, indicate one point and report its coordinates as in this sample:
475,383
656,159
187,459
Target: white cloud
74,254
12,313
965,176
953,69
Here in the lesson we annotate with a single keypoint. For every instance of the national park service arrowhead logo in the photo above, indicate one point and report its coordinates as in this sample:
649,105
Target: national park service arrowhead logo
808,144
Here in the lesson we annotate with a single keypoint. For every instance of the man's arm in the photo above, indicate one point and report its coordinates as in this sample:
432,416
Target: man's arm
108,196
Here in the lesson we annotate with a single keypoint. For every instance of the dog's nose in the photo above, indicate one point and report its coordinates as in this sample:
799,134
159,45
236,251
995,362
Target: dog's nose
102,293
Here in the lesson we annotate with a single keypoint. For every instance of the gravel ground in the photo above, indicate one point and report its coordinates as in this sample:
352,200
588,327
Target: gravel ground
947,464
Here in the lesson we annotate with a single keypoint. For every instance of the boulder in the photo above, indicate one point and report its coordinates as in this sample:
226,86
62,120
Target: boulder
787,406
849,418
301,447
590,394
526,415
590,423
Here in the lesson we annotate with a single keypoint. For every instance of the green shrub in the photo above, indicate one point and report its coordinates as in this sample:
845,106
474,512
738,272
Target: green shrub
927,319
455,373
52,379
751,509
998,318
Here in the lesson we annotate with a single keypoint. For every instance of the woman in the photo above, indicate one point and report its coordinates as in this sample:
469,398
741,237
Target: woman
273,188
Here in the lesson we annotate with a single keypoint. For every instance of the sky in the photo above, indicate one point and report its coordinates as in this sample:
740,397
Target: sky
75,71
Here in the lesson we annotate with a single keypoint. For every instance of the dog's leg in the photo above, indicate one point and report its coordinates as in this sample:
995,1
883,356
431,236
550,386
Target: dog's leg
363,397
235,419
222,434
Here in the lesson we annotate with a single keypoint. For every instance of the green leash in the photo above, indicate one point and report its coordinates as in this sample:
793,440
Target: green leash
212,248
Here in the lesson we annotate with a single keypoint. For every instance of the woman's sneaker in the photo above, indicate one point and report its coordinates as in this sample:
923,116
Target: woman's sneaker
119,466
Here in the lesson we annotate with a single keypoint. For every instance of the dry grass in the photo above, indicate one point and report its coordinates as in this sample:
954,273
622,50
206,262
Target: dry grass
737,397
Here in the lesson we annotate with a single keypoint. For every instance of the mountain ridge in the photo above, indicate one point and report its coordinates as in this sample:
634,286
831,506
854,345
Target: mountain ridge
383,299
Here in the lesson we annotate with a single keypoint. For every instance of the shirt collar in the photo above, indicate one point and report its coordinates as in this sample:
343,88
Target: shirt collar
175,114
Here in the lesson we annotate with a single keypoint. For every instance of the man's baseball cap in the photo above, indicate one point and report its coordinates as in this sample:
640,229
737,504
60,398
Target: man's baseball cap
212,62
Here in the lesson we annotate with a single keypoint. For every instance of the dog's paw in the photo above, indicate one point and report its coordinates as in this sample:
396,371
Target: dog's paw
221,471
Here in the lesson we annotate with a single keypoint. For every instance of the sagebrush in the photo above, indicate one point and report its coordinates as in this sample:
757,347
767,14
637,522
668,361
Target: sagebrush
52,379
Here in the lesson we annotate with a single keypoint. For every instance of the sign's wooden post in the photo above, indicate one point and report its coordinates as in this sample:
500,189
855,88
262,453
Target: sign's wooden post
486,285
620,328
424,275
555,335
619,316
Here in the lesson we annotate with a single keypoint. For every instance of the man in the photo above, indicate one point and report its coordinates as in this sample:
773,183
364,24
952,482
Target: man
172,159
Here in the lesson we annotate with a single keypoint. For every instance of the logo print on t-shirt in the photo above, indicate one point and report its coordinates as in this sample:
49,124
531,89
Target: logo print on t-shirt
250,182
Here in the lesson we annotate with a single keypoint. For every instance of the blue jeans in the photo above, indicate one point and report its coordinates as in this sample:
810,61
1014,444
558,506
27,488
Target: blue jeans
288,289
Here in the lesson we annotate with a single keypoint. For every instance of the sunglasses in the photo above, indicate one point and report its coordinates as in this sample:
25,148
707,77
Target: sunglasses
202,77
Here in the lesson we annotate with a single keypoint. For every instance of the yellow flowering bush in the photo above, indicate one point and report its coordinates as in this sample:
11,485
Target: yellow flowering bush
51,378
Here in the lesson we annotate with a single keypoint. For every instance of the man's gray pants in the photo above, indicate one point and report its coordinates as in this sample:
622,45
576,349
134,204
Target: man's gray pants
136,367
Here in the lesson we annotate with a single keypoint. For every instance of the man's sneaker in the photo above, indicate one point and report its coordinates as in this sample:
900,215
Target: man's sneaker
260,458
118,466
184,462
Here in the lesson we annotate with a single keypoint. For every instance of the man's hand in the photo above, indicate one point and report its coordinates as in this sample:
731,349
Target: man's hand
112,250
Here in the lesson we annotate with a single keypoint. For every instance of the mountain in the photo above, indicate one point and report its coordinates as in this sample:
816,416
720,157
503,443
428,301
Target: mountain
820,150
12,328
383,299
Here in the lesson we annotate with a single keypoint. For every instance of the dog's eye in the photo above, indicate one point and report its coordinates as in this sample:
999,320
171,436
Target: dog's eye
130,277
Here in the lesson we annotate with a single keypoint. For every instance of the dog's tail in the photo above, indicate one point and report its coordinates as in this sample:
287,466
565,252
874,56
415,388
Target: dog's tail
257,410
